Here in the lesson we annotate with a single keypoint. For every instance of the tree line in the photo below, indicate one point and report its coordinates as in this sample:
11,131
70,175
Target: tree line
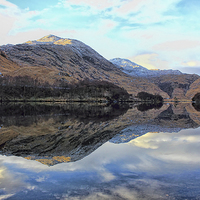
27,88
146,97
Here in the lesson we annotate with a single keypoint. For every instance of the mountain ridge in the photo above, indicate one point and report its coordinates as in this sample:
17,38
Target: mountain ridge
176,84
52,58
134,69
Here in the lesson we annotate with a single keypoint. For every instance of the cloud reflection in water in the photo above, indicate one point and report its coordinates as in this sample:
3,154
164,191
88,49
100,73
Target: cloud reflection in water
114,171
157,165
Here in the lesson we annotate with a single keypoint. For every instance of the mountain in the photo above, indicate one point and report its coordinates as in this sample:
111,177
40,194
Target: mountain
134,69
176,84
52,59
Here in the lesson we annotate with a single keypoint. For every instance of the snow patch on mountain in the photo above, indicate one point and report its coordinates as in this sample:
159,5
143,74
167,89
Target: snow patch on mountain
134,69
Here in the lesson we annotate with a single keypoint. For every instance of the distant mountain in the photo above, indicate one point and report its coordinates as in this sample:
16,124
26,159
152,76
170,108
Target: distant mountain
175,83
134,69
52,59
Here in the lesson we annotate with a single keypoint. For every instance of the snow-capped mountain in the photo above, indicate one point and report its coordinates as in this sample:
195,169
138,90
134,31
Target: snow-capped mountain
134,69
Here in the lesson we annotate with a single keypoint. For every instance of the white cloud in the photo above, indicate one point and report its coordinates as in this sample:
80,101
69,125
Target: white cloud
41,179
150,61
170,147
191,66
98,4
8,4
14,19
146,11
2,197
10,182
178,45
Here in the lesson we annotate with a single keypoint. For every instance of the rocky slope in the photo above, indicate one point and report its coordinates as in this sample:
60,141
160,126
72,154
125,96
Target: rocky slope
52,58
177,86
134,69
7,65
173,82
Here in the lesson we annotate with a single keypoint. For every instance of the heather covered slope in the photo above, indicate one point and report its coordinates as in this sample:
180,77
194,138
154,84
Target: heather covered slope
7,65
177,86
52,58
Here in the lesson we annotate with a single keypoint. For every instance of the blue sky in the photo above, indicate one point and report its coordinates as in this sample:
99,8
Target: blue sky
153,33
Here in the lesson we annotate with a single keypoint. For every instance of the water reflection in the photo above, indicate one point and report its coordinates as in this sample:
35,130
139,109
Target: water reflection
57,133
148,106
196,106
54,134
27,114
150,154
159,166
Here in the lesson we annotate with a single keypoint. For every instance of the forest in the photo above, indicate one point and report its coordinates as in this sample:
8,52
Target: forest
25,88
144,96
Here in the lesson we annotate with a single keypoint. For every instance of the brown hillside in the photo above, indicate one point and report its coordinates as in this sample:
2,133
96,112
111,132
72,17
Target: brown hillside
7,65
175,85
52,58
194,89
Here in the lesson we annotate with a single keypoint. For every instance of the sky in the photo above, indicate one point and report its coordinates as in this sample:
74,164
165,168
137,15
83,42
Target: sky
156,34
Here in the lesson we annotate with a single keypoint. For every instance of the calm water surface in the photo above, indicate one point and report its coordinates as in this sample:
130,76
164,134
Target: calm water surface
99,152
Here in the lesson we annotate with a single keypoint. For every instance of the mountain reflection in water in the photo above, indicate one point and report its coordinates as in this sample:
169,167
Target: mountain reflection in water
61,133
88,151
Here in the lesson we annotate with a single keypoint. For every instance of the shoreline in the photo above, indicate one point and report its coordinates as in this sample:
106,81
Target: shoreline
91,101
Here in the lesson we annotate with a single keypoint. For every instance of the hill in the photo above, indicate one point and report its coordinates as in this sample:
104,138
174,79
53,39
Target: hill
175,83
53,59
134,69
177,86
7,65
